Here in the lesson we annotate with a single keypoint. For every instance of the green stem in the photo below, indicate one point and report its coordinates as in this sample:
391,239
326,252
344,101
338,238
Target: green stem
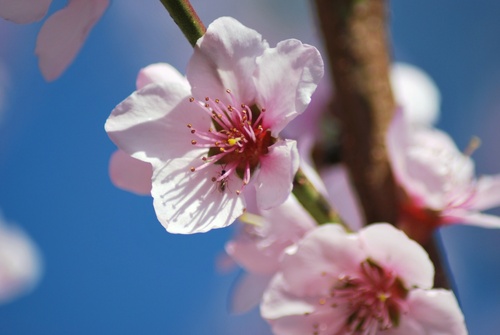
313,201
186,18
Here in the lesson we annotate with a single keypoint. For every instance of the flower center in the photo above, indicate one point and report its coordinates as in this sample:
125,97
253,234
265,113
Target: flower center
236,141
372,300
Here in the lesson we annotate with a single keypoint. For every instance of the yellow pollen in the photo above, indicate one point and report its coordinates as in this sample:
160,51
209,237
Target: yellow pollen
233,141
383,297
222,149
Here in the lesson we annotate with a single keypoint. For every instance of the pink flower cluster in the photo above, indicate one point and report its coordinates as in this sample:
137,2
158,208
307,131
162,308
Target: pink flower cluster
208,148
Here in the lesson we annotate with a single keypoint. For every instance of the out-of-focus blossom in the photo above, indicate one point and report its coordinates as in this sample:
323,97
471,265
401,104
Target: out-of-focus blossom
375,282
416,93
64,32
208,139
437,179
20,265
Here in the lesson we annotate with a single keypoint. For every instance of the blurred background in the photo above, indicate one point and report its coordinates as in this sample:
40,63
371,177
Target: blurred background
109,266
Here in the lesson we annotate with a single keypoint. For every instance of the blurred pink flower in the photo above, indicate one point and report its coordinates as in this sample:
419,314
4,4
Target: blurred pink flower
208,139
20,264
377,281
64,32
438,179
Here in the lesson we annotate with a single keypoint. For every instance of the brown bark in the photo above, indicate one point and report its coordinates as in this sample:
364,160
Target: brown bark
356,40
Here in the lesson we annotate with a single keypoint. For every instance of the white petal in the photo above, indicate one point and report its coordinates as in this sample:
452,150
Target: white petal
129,173
225,58
189,202
416,93
20,262
436,312
472,218
63,34
487,193
277,169
151,124
24,11
160,73
393,250
286,78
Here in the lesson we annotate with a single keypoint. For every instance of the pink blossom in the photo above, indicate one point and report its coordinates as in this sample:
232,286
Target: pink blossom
64,32
377,281
438,179
20,264
209,138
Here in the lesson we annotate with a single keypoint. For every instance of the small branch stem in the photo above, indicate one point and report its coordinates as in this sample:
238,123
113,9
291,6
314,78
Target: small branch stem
313,201
186,18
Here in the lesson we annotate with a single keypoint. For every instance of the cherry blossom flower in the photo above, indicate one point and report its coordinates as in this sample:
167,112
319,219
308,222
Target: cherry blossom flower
64,32
20,264
437,179
210,137
375,282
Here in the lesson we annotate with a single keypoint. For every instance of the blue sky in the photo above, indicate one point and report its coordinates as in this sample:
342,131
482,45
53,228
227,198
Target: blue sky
110,267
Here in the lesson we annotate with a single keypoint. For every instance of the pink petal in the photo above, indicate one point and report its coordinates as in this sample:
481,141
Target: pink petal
278,302
287,77
63,34
247,292
160,73
290,314
324,253
436,312
277,170
225,58
258,249
392,249
487,193
342,196
472,218
129,173
24,11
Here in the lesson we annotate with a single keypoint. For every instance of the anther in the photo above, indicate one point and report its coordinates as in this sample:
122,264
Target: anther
189,125
193,142
207,98
193,131
228,91
192,169
243,106
217,101
207,105
204,159
214,179
191,99
238,192
222,149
